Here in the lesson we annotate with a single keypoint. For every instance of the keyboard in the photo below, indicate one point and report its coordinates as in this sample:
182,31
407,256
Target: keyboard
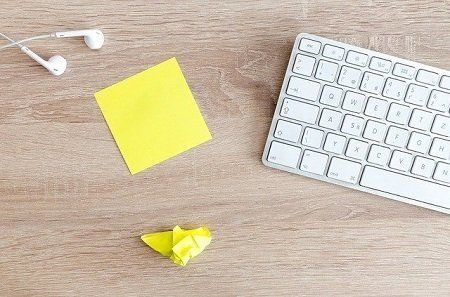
364,120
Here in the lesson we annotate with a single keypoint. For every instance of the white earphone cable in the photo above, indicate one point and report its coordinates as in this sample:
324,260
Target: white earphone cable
19,43
7,38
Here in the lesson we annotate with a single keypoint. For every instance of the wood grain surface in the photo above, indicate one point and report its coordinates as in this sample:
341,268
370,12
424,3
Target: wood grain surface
71,214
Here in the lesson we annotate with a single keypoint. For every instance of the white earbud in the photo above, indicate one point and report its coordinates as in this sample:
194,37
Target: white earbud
56,65
93,38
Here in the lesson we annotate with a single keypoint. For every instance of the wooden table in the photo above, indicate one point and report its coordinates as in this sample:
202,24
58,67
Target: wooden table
71,214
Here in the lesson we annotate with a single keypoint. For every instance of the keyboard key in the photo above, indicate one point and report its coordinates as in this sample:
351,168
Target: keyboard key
312,137
411,187
353,101
284,154
421,119
445,82
304,65
372,83
376,108
356,58
326,70
440,148
398,114
310,46
357,149
374,131
331,96
314,162
427,77
394,89
439,101
397,137
419,142
303,88
417,95
400,161
379,64
330,119
441,125
352,125
379,155
335,143
423,167
299,111
333,52
404,71
349,77
288,131
344,170
442,173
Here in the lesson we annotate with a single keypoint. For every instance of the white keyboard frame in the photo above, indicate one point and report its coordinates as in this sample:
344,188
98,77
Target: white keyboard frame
364,162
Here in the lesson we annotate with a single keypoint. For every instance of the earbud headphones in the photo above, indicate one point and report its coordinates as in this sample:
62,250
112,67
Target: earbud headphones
56,65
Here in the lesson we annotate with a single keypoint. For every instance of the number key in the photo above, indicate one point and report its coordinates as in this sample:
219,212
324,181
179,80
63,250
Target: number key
417,95
439,101
394,89
326,71
349,77
372,83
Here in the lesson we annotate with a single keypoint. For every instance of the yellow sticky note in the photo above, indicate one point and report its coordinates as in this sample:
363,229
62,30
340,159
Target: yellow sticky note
152,116
179,245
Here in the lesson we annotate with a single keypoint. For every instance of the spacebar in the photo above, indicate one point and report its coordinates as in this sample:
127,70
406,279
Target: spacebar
405,186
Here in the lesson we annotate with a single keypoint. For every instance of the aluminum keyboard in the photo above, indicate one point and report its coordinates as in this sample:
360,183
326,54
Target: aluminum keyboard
364,120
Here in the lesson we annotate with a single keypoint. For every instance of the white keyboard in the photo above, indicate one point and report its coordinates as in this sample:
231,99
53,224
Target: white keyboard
364,120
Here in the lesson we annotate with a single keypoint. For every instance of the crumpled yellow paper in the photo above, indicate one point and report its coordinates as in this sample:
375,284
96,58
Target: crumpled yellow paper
179,245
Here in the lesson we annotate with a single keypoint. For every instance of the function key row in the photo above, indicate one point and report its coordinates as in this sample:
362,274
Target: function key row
376,63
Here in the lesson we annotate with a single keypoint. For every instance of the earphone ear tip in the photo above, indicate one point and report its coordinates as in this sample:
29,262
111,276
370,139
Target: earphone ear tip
57,65
94,40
